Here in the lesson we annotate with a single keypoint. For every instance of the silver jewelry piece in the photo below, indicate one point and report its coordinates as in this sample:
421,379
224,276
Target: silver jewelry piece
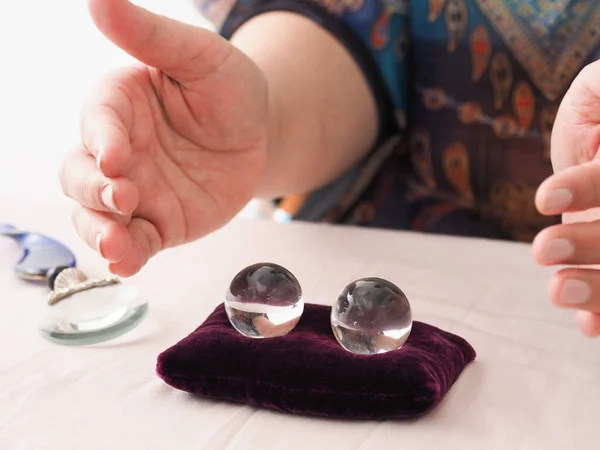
72,281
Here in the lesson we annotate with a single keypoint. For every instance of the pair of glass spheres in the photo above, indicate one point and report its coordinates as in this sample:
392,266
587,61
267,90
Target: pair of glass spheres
370,316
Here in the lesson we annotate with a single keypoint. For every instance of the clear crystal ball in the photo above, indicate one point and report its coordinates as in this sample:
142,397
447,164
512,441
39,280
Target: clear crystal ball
264,300
371,316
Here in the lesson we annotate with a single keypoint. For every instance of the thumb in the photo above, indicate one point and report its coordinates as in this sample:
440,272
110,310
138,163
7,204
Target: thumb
182,51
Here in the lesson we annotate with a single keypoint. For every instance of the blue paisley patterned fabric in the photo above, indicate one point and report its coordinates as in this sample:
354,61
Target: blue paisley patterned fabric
467,92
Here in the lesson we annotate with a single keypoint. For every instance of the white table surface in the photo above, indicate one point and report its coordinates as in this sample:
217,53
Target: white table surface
52,56
534,385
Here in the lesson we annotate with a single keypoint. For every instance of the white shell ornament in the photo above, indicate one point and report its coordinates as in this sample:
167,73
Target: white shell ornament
68,278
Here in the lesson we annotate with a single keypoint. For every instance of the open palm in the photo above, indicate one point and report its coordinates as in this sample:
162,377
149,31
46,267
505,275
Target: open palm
171,148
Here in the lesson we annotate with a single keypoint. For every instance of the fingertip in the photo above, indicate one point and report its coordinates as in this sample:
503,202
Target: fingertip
104,13
554,289
122,196
121,270
551,199
124,23
540,197
131,264
537,247
588,323
99,156
114,242
113,153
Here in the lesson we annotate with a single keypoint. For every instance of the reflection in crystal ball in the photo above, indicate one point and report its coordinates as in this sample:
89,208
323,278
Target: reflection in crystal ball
264,300
371,316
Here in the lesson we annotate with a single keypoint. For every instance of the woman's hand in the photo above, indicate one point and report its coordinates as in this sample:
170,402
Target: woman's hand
171,149
574,192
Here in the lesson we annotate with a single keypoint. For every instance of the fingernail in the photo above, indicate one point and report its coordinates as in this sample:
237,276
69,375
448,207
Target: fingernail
575,292
108,198
559,199
557,250
99,244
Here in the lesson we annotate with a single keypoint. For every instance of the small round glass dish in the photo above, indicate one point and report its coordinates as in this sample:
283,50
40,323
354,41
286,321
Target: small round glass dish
82,311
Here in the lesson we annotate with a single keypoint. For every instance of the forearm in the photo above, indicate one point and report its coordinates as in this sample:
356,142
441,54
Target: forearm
323,116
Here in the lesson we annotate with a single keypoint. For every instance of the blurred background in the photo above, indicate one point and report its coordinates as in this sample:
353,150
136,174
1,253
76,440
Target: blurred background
51,55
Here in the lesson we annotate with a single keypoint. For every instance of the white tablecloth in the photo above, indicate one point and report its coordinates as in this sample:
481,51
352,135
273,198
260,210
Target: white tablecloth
534,385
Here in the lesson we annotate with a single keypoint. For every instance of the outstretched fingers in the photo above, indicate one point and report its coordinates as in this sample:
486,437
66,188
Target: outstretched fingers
103,233
145,243
81,180
126,245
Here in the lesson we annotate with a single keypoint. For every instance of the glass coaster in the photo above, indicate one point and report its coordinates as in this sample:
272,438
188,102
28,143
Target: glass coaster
81,311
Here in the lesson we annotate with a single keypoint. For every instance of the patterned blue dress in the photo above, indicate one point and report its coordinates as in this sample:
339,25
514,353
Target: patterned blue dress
467,93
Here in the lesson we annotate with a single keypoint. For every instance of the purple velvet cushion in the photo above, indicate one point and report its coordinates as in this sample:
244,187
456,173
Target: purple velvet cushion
308,372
